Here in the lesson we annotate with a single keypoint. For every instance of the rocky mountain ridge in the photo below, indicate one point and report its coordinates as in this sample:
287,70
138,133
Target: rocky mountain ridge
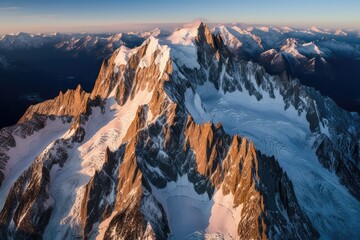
151,153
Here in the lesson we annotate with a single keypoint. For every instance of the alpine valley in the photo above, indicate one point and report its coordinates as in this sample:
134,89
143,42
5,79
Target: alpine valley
182,137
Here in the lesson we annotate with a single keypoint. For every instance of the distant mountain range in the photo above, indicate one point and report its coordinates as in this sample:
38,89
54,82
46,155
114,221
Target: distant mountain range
328,60
247,42
104,43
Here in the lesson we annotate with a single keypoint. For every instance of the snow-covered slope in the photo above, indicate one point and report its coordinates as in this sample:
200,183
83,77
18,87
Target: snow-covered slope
257,108
27,147
179,139
284,134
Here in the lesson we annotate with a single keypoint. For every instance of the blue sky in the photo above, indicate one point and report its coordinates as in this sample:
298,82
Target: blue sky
111,15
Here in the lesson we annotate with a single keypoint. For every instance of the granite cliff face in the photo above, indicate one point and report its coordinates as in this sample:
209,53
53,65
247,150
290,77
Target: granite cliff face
70,103
178,140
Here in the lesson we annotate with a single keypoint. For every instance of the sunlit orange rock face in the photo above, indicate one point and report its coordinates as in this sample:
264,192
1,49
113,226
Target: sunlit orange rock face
127,159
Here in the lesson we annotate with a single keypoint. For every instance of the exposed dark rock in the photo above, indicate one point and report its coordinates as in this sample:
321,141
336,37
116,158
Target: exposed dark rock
163,143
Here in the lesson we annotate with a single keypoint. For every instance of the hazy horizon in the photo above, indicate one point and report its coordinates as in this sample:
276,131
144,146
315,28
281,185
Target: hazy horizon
66,16
138,27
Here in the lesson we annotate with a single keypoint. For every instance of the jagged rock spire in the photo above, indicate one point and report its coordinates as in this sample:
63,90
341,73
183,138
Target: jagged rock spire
144,145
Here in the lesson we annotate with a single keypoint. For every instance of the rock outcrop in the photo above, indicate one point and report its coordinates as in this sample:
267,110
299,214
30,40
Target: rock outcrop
144,157
71,103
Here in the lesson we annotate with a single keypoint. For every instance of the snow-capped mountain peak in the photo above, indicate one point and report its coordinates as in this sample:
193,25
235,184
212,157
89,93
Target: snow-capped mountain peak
340,32
180,139
186,34
315,29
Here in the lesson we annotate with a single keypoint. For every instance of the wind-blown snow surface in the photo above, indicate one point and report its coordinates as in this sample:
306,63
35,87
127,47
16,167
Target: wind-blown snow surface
191,215
285,135
182,45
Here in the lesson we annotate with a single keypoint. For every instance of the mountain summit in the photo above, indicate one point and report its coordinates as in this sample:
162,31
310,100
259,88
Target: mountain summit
180,140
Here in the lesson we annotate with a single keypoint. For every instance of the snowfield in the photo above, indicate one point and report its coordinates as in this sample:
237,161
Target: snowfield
285,135
193,216
275,129
27,149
